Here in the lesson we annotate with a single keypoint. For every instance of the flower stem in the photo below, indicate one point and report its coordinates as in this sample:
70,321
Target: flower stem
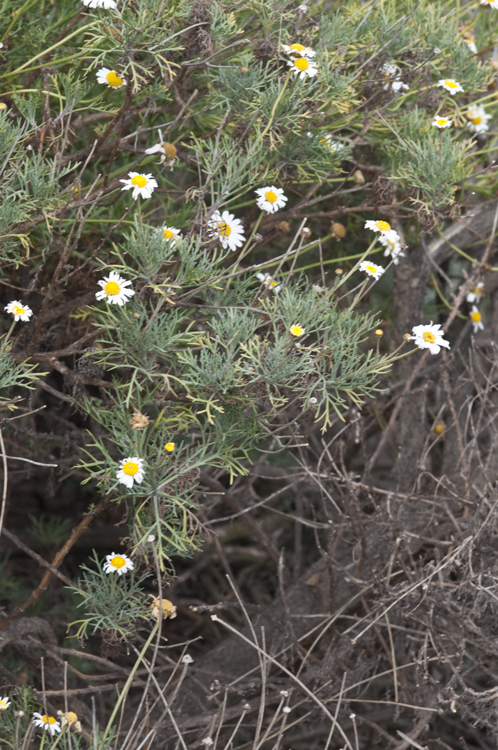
274,108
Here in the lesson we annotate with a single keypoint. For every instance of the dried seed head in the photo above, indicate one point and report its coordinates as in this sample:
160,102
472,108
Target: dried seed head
283,226
139,421
359,177
169,151
169,609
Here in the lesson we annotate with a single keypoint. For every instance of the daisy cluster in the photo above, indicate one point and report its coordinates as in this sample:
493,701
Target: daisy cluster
474,295
477,118
301,61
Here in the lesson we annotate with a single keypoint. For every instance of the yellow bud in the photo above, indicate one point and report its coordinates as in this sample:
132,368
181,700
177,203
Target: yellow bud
439,427
379,332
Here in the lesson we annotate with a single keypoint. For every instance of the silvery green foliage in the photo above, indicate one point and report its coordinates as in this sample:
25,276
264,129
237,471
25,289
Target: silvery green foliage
204,350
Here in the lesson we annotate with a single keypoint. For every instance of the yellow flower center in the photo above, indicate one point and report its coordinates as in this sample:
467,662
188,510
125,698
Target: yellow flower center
113,79
48,719
111,288
169,151
270,196
168,234
169,447
370,268
272,283
3,105
442,121
302,64
429,337
296,330
18,310
477,120
139,180
118,562
476,316
130,468
451,84
383,226
224,229
439,428
297,47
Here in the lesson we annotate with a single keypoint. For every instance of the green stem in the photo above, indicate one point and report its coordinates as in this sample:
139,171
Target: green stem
274,108
7,336
128,682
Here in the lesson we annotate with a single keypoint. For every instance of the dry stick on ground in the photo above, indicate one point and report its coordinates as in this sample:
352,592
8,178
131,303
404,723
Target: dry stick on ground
13,538
35,595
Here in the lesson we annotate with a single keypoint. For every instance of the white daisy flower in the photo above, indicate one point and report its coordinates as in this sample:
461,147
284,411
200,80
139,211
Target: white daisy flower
475,294
478,119
167,150
117,564
490,3
378,226
441,123
142,184
371,269
298,50
476,319
131,471
19,311
268,281
114,289
227,229
303,67
398,85
327,141
106,4
110,78
392,242
450,85
471,45
429,337
296,331
171,234
4,704
270,199
49,723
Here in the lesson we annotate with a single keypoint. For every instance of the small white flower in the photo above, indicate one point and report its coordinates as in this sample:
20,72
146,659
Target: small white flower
441,123
398,85
436,51
490,3
4,704
296,330
268,281
19,311
1,45
114,289
371,269
303,8
313,400
49,723
207,741
151,538
392,243
171,234
106,4
298,50
471,45
284,693
167,150
478,119
142,184
187,659
475,294
227,229
450,85
110,78
429,337
117,564
378,226
131,471
317,288
286,710
476,319
303,67
327,141
270,199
